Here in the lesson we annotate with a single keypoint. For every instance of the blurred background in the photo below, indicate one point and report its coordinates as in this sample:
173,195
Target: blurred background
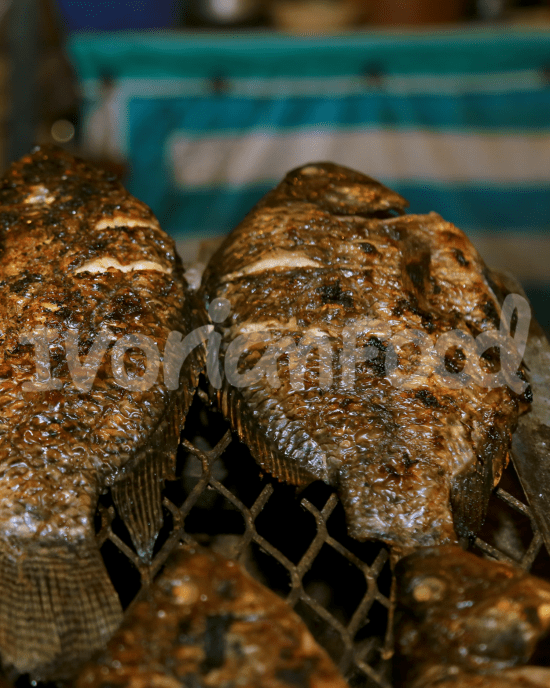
201,106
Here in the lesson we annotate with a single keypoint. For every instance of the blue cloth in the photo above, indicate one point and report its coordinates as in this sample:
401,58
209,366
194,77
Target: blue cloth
458,122
112,15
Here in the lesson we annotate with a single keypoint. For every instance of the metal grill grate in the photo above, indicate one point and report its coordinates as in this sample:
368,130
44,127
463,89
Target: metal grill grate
297,543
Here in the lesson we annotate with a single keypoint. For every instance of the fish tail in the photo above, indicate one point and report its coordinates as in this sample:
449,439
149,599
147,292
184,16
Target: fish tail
57,607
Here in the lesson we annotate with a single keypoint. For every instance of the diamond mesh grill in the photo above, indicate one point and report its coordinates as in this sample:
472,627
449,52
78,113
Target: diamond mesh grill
297,544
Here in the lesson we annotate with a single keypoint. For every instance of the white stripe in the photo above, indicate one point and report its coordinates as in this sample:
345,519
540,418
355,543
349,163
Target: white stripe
286,260
103,265
448,156
335,87
354,84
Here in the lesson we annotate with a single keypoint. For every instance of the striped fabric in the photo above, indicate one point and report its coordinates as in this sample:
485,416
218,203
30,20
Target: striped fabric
457,122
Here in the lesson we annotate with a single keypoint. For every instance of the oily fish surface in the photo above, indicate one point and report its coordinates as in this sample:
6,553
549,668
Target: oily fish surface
78,256
460,614
413,459
206,623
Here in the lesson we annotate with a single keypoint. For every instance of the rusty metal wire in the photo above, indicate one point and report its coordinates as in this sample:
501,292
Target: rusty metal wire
351,628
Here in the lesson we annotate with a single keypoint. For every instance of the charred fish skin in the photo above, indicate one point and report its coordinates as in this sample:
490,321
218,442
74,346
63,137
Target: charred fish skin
415,461
205,622
523,677
79,257
460,613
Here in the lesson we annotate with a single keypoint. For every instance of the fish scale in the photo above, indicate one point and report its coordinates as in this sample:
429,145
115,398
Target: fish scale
78,254
329,247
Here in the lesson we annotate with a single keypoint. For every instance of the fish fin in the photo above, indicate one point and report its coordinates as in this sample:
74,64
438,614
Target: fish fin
470,494
137,493
270,437
471,490
57,607
138,499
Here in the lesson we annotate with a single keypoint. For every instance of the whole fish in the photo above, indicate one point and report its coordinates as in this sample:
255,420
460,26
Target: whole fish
459,614
83,266
206,623
389,405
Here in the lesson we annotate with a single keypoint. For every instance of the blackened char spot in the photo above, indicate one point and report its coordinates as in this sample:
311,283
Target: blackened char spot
377,355
332,293
527,396
8,218
454,361
419,271
401,306
86,189
226,589
125,305
428,321
411,305
390,470
408,461
460,259
24,283
214,641
185,635
99,244
491,359
378,343
109,208
427,398
367,248
435,286
71,205
298,677
491,312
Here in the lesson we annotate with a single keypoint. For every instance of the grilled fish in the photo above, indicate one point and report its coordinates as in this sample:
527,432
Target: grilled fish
524,677
83,266
205,622
329,263
460,613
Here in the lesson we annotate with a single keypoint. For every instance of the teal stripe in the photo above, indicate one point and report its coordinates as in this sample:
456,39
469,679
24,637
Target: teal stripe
147,55
228,116
212,212
482,207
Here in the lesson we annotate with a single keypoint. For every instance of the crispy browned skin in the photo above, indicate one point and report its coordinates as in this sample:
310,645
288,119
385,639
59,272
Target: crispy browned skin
205,623
525,677
330,247
60,449
458,612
